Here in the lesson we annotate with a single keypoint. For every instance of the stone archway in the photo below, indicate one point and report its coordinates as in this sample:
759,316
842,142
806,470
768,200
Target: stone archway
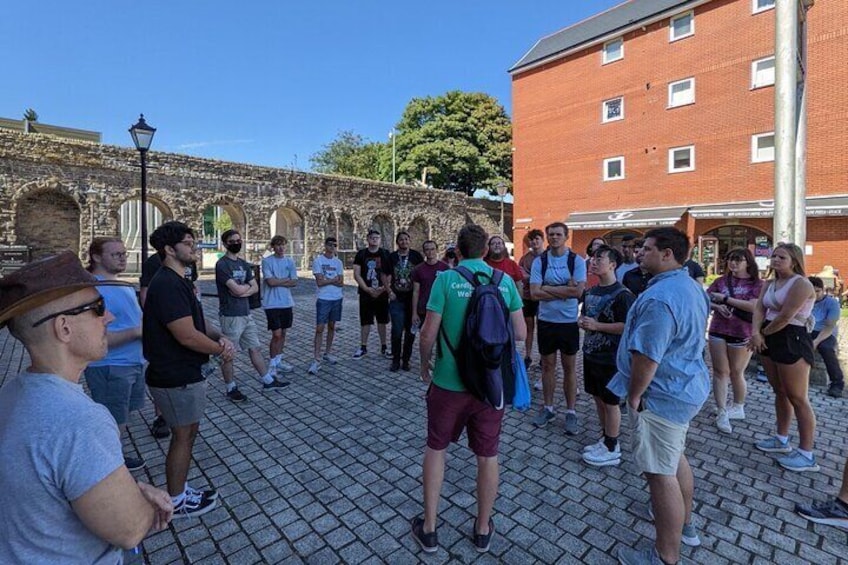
386,226
419,232
289,223
48,221
347,240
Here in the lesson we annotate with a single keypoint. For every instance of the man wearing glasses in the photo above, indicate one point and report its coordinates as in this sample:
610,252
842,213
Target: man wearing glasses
117,380
65,492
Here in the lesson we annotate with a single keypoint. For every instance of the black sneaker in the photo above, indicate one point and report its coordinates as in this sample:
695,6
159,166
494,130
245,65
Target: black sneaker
159,428
134,463
427,542
211,493
482,542
395,367
405,365
834,390
194,505
274,385
236,396
830,512
387,353
360,352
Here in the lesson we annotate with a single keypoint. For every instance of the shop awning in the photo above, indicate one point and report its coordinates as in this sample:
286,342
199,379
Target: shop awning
644,218
817,206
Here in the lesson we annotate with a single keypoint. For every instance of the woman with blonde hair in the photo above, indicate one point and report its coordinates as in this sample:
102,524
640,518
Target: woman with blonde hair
786,351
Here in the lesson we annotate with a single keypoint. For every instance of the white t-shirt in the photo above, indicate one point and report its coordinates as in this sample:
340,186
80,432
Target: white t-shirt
330,268
274,267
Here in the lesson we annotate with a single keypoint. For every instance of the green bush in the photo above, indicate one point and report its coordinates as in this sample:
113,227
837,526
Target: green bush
710,279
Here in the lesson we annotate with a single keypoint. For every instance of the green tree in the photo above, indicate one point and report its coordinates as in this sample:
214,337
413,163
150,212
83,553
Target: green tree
31,115
351,155
462,139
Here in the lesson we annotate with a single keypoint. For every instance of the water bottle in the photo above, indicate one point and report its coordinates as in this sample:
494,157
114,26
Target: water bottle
416,327
209,368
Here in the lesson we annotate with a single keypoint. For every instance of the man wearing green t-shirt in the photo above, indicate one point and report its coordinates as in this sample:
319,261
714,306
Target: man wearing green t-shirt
450,408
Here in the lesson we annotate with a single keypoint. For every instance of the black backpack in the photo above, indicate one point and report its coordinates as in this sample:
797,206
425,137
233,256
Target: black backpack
484,353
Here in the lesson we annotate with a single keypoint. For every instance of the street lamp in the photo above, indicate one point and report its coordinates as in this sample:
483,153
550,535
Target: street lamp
502,188
392,136
142,135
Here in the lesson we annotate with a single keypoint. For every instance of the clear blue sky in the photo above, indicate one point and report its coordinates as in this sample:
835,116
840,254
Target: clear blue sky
260,81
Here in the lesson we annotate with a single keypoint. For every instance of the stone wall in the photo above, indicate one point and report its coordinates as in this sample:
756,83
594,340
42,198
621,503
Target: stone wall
57,193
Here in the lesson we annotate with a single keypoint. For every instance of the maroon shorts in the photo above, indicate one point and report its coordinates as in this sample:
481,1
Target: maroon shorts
449,412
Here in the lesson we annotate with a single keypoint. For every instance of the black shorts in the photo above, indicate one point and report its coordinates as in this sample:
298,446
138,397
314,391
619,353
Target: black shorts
530,308
596,377
554,336
788,345
279,318
370,308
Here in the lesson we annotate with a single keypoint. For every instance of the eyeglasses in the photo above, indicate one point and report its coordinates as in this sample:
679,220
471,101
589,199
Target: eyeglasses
330,244
98,306
118,255
736,260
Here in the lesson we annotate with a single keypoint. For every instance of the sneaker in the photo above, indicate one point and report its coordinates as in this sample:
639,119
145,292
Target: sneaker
211,493
723,421
159,428
134,463
830,512
427,542
761,377
236,396
387,353
313,368
538,384
629,556
360,352
796,461
274,385
284,367
834,390
594,446
395,366
773,445
481,541
527,362
543,417
571,423
194,505
736,412
405,365
690,536
329,359
603,457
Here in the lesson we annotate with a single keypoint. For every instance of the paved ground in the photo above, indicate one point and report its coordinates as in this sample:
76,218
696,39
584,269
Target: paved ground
328,471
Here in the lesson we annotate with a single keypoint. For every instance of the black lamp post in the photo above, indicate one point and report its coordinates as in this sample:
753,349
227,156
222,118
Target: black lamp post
142,135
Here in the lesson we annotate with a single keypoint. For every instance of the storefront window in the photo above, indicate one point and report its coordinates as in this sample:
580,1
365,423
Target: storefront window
718,242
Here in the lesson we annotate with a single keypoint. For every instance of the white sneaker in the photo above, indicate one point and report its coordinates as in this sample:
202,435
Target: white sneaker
594,446
538,384
736,411
723,422
284,367
603,457
313,368
331,360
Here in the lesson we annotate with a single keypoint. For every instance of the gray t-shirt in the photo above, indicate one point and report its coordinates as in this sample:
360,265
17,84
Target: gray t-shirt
55,445
240,271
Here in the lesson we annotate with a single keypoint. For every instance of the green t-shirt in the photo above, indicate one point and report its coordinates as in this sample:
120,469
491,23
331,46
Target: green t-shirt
449,298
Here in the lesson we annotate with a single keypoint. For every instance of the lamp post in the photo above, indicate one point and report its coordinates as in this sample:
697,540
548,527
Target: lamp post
394,154
142,135
501,188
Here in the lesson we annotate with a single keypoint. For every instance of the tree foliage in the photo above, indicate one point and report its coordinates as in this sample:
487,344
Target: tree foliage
31,115
351,155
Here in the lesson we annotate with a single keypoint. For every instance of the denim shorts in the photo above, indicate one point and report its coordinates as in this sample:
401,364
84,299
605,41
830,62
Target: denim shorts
118,388
328,311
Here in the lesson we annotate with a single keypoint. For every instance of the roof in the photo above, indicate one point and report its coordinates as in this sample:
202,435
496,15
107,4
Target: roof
592,29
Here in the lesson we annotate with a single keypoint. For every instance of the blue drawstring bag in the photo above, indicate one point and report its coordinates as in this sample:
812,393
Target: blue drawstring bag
521,400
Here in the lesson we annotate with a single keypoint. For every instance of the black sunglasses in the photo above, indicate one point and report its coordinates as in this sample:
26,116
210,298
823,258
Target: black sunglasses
98,306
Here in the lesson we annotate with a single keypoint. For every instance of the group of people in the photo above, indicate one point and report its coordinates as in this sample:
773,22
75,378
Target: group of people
642,311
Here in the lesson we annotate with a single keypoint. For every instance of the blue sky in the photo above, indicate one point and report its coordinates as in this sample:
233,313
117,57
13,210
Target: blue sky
265,82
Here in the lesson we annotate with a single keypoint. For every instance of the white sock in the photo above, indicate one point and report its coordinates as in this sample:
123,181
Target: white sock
268,378
549,408
782,439
807,454
177,500
737,405
572,411
232,386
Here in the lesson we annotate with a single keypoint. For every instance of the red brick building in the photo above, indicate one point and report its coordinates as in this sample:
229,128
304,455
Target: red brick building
661,112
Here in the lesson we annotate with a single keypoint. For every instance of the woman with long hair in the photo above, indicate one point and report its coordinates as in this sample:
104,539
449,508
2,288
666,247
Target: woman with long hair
733,298
786,352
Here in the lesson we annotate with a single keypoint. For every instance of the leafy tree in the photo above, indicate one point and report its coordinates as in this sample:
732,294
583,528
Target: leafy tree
351,155
463,139
31,115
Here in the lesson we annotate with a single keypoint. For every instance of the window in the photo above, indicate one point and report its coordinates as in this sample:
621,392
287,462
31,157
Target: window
614,168
762,5
681,26
681,92
613,110
681,159
613,50
762,72
762,147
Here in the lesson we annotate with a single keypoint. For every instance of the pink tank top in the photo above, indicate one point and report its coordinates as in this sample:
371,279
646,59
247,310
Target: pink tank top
774,299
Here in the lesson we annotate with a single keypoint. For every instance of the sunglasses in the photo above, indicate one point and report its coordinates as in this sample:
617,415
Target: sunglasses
98,306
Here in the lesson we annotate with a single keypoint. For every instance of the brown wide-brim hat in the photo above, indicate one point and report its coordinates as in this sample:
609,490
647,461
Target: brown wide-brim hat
43,281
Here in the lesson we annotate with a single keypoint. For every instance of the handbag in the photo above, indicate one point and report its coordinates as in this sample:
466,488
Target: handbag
741,314
521,399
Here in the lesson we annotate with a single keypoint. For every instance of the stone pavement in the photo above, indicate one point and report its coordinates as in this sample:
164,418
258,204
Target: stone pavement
329,471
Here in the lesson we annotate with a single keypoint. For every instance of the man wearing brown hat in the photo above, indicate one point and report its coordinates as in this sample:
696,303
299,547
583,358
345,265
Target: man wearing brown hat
64,489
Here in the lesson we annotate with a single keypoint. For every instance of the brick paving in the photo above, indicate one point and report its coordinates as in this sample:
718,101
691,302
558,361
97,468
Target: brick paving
328,471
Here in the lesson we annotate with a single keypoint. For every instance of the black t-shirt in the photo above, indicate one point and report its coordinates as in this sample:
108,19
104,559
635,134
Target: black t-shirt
636,281
170,297
372,266
608,305
153,263
400,269
695,270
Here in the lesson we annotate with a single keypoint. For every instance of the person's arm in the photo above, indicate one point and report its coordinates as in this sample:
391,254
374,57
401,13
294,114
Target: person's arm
142,295
189,337
566,291
795,298
357,276
757,343
642,371
591,324
416,291
426,340
519,326
120,337
829,324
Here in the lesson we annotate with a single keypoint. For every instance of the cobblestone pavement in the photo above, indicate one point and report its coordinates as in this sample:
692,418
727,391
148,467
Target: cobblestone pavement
329,471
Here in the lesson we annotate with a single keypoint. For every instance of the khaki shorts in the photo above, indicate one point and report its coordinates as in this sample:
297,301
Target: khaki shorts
180,406
657,443
240,330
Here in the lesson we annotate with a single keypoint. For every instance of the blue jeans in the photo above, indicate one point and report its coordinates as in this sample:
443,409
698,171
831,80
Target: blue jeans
400,312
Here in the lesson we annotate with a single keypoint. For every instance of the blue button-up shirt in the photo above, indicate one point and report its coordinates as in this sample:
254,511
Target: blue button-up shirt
826,310
667,324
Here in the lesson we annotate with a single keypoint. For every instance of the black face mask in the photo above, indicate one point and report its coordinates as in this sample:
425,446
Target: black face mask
234,248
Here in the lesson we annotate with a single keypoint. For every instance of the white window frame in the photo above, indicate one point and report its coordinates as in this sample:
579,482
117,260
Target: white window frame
691,167
755,147
607,163
604,115
755,9
690,14
754,83
604,58
671,85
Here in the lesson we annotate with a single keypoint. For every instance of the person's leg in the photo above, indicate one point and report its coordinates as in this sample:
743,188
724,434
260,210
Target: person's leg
549,378
721,371
178,460
277,341
316,342
396,313
258,361
381,331
843,488
331,333
782,407
434,475
569,379
601,408
827,350
530,321
487,491
686,480
231,329
739,358
364,332
796,383
408,336
668,504
612,420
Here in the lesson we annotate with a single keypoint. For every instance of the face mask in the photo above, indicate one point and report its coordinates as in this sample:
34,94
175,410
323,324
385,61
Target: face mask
234,248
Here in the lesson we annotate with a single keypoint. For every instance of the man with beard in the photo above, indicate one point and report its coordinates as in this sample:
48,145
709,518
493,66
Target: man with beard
498,258
397,277
423,277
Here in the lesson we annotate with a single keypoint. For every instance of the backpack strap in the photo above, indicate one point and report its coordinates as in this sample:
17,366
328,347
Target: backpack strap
544,259
572,257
